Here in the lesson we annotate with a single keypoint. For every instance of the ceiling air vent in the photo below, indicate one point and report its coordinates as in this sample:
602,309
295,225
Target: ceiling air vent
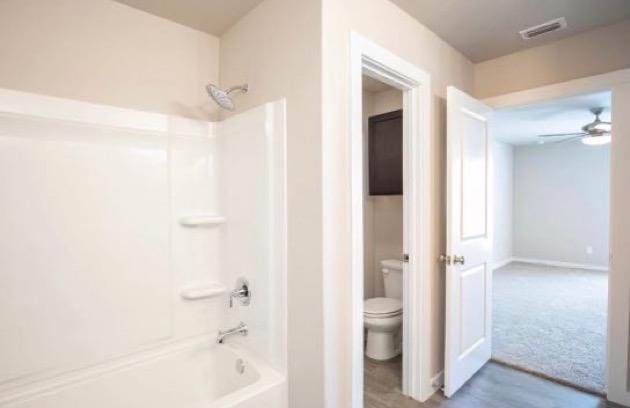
544,28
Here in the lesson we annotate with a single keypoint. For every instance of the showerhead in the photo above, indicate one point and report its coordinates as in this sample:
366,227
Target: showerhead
222,98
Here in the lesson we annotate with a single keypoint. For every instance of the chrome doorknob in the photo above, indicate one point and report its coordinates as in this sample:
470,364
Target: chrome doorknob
459,259
446,259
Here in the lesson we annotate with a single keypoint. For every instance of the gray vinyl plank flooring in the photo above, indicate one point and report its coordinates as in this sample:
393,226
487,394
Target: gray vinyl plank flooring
495,386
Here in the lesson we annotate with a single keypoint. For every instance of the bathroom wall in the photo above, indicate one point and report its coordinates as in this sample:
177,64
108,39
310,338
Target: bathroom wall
589,53
387,25
105,52
383,216
276,48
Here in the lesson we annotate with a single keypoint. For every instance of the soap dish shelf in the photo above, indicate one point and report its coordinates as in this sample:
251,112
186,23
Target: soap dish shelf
201,220
203,291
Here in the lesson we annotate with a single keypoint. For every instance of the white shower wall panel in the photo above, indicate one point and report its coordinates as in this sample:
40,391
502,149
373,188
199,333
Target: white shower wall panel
197,253
94,256
253,152
85,252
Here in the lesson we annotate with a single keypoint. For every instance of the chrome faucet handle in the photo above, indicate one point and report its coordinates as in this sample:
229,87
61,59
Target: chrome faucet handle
241,292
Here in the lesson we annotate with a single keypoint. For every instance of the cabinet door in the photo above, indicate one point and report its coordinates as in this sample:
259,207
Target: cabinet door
385,134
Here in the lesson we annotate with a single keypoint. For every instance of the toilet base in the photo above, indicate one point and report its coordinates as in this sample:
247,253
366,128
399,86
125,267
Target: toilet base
382,345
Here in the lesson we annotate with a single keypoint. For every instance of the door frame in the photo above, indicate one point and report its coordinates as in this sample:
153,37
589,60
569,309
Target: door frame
618,338
379,63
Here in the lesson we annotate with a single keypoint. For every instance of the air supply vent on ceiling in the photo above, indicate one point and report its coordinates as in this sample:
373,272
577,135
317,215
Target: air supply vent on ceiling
544,28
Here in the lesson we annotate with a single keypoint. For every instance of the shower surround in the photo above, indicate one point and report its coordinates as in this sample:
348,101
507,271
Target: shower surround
124,232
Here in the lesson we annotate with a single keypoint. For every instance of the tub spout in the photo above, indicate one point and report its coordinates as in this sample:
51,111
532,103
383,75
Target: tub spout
240,329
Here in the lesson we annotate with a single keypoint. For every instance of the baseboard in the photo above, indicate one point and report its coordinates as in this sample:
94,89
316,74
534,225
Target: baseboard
560,264
437,381
430,387
504,262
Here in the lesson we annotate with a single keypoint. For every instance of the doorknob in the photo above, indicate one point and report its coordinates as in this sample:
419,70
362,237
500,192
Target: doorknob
458,259
445,259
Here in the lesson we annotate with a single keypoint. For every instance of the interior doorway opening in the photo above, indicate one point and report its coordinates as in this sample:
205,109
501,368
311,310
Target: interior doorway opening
371,60
551,238
383,216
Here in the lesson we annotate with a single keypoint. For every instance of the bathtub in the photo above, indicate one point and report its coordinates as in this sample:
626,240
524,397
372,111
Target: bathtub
192,375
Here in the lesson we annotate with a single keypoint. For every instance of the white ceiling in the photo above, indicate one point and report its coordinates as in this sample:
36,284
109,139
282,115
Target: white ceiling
486,29
211,16
521,126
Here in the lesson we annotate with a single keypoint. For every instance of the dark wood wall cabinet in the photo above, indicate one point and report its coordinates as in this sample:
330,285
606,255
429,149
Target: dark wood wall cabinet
385,154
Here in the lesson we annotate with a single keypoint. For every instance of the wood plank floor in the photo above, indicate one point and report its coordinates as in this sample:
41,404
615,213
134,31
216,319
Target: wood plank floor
495,386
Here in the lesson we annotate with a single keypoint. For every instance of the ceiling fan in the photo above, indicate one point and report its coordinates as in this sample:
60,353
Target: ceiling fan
594,133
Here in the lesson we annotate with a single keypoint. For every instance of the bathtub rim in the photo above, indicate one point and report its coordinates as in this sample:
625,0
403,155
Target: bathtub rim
268,376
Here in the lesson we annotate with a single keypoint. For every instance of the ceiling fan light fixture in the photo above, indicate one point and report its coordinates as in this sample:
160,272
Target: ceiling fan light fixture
597,140
602,127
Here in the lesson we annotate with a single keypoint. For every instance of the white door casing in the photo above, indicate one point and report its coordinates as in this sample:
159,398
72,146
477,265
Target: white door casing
373,60
468,342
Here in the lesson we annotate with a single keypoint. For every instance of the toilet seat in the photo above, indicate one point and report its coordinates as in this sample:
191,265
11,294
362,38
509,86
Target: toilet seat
382,307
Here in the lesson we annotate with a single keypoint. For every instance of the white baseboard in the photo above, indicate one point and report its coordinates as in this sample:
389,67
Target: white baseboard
437,381
559,264
504,262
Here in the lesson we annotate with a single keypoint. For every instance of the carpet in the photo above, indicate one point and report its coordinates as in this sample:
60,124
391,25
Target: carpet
552,321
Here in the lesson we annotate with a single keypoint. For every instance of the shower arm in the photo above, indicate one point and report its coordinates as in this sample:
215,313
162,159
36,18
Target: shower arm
243,88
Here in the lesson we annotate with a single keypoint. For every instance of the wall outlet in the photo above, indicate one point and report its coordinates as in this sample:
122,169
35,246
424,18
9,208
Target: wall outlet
589,250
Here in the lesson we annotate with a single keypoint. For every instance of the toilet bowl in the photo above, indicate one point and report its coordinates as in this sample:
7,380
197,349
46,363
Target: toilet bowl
382,316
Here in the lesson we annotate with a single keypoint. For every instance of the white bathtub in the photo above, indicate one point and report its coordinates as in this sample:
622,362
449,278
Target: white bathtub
194,375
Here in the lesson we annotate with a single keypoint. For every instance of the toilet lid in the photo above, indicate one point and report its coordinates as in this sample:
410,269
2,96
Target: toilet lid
382,305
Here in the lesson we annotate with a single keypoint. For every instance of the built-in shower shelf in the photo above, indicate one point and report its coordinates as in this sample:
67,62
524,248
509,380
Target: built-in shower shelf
203,291
201,220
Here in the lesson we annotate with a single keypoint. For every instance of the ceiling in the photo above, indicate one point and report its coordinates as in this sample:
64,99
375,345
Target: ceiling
480,29
486,29
211,16
521,126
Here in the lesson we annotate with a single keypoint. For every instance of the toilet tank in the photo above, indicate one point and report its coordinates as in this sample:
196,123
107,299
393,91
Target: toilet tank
392,278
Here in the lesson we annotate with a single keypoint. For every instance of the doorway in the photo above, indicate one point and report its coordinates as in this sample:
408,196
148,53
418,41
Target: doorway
379,64
551,239
477,292
383,242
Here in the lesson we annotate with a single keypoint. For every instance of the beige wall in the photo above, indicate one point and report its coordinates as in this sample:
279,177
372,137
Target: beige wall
383,215
105,52
276,48
593,52
387,25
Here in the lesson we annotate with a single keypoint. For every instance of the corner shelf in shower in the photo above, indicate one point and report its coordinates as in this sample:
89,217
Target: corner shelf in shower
203,291
201,220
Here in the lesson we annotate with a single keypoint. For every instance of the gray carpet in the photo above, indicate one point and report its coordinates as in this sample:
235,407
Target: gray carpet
552,321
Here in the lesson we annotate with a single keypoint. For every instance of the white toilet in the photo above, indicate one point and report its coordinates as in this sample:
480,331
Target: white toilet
382,316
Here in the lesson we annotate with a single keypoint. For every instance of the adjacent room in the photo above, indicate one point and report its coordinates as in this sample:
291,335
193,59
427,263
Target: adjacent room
383,242
552,199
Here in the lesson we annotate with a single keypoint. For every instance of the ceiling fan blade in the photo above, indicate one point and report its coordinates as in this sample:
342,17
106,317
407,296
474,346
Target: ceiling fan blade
565,140
565,134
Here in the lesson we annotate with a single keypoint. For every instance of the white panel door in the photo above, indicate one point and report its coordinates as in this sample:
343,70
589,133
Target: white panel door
469,240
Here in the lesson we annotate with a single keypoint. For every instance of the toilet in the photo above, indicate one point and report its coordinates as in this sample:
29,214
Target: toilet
382,316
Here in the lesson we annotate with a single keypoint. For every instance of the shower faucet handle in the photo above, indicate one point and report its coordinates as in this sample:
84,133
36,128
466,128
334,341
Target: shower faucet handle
241,292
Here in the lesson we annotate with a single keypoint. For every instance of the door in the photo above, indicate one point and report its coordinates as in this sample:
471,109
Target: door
468,240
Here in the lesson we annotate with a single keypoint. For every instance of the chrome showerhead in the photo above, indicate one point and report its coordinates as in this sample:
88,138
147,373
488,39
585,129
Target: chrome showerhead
222,98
